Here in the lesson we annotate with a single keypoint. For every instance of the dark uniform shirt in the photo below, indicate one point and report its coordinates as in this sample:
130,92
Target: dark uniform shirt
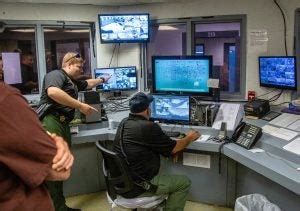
28,75
143,143
61,80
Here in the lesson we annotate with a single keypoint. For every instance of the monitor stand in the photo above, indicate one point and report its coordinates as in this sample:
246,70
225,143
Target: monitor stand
117,96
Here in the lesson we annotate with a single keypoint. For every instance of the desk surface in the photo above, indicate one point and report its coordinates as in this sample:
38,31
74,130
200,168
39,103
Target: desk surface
275,163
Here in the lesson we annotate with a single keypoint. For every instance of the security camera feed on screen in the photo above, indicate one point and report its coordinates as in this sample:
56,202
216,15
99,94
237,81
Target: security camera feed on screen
181,75
121,78
168,108
124,28
278,72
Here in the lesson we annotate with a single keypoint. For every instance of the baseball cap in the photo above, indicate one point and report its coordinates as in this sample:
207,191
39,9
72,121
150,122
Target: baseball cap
140,102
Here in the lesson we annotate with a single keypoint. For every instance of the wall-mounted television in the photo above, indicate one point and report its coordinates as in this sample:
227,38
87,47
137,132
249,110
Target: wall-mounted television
170,108
278,72
124,28
182,74
121,78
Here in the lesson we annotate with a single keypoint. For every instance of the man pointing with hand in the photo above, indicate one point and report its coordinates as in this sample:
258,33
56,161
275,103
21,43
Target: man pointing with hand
60,91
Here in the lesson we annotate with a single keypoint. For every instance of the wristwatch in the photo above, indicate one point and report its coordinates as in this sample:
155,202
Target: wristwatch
103,79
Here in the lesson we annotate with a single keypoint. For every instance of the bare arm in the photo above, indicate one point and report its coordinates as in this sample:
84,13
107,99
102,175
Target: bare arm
62,161
94,82
184,142
63,98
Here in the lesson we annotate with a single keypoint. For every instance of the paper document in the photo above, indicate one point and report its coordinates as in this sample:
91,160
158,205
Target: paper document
284,120
295,126
285,134
269,129
293,146
229,113
202,138
197,160
279,132
12,68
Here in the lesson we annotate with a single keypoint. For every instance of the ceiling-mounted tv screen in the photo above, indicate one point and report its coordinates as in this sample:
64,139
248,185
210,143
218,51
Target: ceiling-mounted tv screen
124,28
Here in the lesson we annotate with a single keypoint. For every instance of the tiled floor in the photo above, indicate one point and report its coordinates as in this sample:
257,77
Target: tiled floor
98,202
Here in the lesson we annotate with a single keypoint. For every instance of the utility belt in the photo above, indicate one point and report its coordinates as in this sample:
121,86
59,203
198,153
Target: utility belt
61,117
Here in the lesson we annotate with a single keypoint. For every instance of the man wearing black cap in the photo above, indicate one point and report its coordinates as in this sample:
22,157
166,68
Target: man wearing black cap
140,143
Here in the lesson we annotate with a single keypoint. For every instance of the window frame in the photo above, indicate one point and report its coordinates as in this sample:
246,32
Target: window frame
40,44
297,44
190,28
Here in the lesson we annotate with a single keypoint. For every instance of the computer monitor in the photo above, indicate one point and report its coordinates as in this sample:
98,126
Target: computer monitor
118,28
278,72
170,108
182,74
121,78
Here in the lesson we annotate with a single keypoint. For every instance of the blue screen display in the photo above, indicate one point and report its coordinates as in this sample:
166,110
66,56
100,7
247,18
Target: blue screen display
182,75
170,108
121,78
278,72
124,28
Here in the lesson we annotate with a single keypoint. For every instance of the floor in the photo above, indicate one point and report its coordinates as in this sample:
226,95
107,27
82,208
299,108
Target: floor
98,202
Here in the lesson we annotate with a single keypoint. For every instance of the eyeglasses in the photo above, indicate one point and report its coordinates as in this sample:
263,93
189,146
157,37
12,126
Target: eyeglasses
77,56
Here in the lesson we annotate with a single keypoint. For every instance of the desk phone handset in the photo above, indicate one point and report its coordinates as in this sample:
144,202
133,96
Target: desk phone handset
246,135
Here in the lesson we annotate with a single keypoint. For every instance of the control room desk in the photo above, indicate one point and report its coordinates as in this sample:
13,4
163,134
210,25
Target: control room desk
242,172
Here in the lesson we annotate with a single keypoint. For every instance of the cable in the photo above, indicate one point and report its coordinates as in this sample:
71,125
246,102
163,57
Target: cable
284,24
265,93
276,97
112,56
279,104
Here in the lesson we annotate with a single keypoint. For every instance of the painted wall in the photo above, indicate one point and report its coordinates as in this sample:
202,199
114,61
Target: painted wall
261,14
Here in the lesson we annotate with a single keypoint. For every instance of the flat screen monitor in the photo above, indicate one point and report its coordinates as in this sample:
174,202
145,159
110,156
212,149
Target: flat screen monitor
118,28
121,78
278,72
170,108
181,74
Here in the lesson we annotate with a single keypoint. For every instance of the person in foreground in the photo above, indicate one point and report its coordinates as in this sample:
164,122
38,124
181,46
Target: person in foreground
60,91
28,155
140,143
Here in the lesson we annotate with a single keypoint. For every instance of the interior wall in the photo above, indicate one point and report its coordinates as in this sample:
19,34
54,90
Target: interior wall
261,14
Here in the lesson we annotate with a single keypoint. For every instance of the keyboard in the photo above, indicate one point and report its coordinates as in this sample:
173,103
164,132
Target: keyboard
172,133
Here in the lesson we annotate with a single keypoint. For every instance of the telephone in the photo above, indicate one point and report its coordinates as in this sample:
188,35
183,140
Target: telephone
246,135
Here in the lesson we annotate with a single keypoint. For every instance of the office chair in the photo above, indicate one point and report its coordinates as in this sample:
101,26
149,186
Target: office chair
118,181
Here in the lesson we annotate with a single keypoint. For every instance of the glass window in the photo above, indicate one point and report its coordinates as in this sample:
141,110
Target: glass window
165,40
18,58
222,41
59,41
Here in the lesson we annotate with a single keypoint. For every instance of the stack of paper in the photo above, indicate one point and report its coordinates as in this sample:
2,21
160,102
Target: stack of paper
293,146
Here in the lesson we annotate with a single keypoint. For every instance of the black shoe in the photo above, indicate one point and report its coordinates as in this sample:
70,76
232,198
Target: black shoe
73,209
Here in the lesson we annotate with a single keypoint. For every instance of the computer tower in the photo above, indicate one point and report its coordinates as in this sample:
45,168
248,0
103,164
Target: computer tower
91,98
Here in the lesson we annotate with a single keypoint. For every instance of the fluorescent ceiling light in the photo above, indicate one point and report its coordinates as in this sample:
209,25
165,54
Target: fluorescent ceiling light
30,30
167,28
77,30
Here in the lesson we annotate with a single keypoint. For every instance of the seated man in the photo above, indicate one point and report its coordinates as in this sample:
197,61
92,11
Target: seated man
140,143
28,156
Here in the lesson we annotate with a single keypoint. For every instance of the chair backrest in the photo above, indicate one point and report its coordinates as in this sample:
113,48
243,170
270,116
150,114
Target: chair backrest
115,171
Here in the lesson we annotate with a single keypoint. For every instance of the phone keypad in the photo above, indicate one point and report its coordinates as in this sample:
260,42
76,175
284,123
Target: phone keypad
248,135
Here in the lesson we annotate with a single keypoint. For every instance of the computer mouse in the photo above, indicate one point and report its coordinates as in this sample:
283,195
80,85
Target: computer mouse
182,135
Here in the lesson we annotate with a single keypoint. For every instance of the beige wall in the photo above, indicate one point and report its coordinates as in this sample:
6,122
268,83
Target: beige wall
261,14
